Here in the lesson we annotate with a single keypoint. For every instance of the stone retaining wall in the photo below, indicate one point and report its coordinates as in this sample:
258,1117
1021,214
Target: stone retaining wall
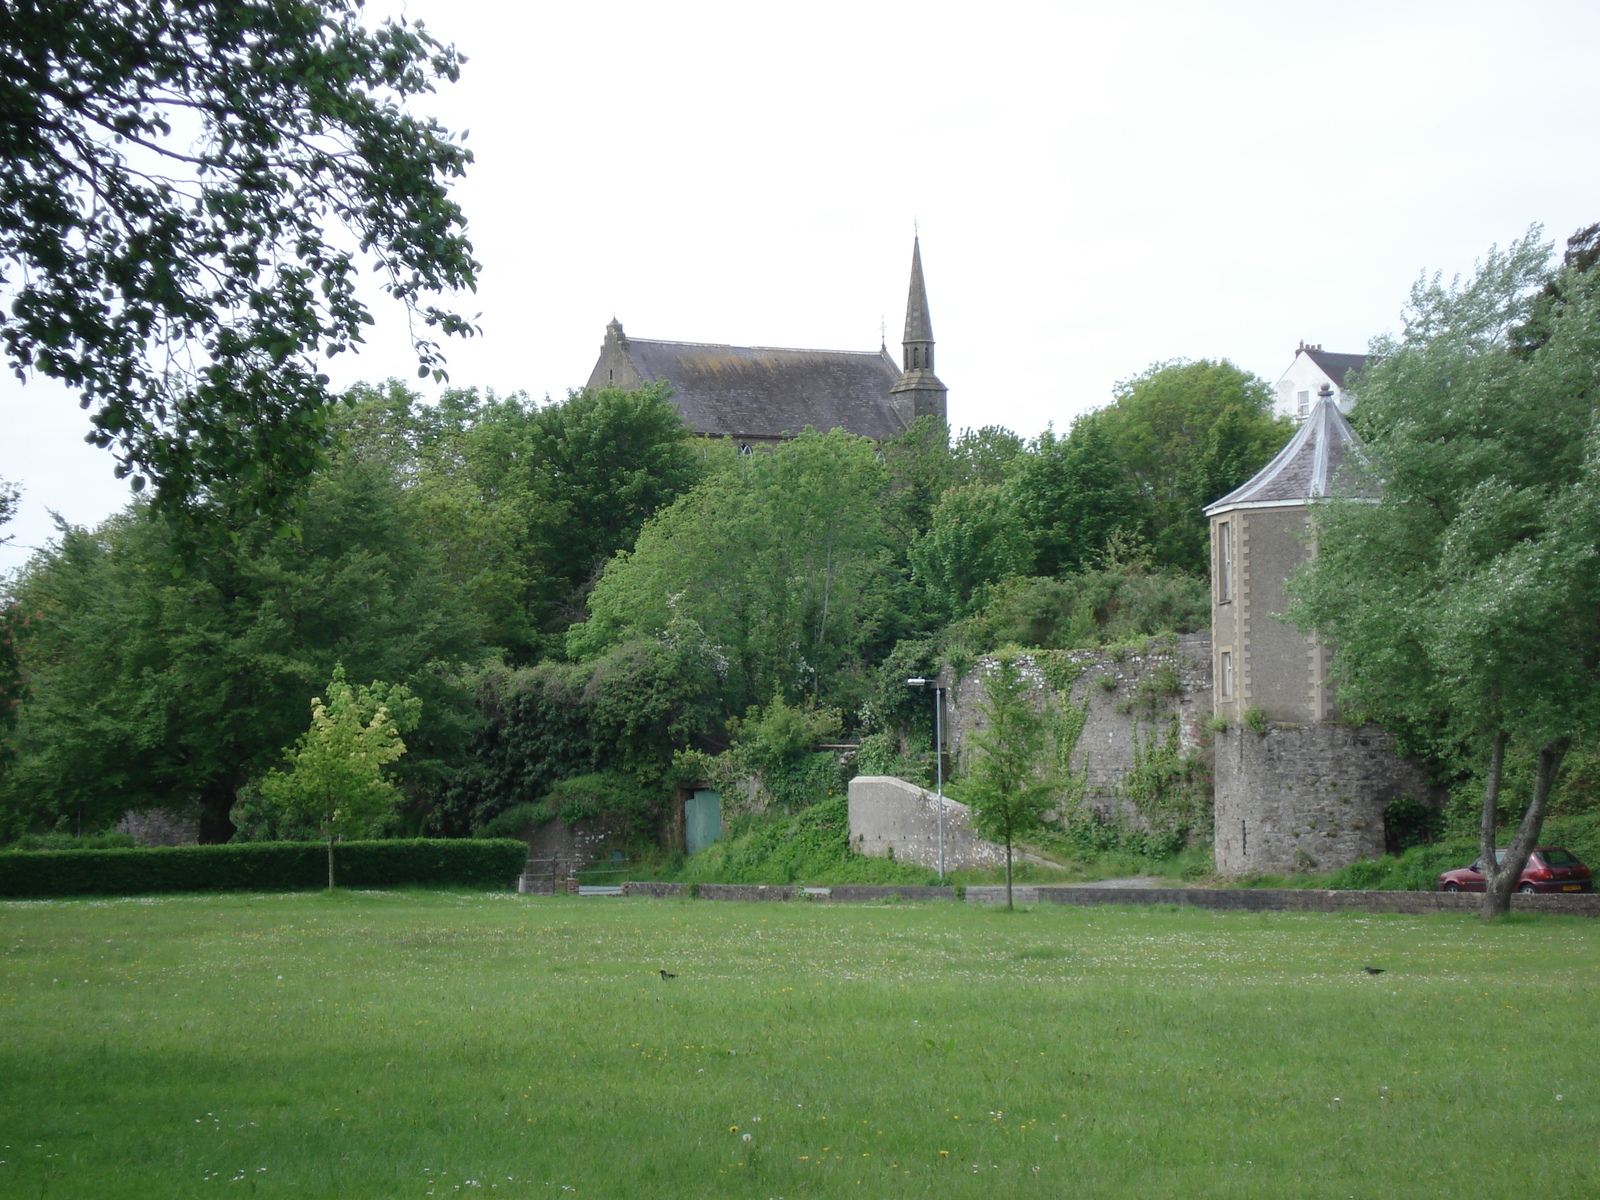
1309,900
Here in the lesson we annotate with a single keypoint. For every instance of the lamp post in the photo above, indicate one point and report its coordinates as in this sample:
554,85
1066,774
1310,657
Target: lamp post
938,754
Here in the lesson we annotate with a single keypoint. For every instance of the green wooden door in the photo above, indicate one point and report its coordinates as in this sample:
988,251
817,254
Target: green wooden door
702,820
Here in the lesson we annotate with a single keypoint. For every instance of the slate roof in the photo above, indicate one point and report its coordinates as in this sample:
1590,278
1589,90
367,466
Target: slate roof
1309,467
768,391
1335,366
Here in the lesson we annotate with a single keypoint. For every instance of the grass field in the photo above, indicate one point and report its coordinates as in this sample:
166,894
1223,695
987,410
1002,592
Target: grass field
416,1044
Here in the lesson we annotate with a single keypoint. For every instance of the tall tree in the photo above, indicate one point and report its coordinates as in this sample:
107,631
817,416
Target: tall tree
775,556
1464,600
151,685
611,459
1188,433
171,174
975,541
1071,494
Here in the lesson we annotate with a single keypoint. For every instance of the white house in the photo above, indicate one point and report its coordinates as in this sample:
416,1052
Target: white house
1313,373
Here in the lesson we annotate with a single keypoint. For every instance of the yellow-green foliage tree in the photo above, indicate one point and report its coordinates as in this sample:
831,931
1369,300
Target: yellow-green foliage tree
1011,786
335,774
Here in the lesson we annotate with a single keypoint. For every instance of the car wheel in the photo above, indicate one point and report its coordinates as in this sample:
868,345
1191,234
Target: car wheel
1452,886
1527,889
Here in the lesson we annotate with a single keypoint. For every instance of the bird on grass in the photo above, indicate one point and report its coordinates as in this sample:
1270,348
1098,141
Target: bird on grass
666,974
1373,970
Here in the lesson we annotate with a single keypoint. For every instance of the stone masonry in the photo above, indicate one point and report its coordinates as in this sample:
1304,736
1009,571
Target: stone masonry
1306,797
1133,695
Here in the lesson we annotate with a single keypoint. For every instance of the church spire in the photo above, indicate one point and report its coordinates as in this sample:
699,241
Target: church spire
917,344
918,392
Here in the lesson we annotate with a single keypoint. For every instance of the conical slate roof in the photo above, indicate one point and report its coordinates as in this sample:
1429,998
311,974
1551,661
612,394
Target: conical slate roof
1308,468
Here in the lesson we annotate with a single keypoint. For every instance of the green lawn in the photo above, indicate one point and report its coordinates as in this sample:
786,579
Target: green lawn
416,1044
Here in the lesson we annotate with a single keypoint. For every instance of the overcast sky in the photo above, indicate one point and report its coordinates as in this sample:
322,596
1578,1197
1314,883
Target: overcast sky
1099,187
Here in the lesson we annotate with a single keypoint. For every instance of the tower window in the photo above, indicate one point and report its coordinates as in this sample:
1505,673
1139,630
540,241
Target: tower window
611,375
1224,562
1225,672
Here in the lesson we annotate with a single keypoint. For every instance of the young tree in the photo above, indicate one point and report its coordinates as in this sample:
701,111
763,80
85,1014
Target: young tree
335,776
170,174
1010,784
1464,600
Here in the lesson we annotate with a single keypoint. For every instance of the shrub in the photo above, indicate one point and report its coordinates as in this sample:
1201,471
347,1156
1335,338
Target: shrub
66,841
260,866
1255,721
1408,823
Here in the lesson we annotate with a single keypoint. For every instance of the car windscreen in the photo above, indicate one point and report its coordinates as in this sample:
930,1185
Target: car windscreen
1555,856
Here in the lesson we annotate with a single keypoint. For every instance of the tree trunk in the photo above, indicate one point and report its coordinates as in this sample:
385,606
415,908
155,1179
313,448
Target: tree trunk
330,862
1008,873
1500,879
216,802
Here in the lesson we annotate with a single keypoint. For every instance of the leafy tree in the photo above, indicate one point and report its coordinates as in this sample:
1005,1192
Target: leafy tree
1189,433
920,467
975,541
152,685
1009,784
1462,604
335,776
984,455
775,557
11,622
610,459
1071,494
169,173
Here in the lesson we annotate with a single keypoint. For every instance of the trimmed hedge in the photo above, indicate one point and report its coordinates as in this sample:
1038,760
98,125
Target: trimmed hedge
263,867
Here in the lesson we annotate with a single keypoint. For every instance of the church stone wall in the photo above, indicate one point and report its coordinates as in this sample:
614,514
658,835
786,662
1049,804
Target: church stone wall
1306,797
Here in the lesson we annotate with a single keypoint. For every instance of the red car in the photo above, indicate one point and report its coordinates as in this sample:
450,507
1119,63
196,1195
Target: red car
1549,869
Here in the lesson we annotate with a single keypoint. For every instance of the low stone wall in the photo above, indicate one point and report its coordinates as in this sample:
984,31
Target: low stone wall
1309,900
745,891
863,893
892,818
653,891
1213,899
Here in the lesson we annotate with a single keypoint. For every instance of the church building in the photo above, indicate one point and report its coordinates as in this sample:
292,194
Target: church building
760,395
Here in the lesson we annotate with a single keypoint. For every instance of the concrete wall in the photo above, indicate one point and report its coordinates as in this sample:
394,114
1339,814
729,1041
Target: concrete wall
889,815
1128,705
1306,797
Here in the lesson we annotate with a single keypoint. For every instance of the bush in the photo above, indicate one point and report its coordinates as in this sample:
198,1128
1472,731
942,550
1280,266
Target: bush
66,841
1416,870
261,866
513,821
